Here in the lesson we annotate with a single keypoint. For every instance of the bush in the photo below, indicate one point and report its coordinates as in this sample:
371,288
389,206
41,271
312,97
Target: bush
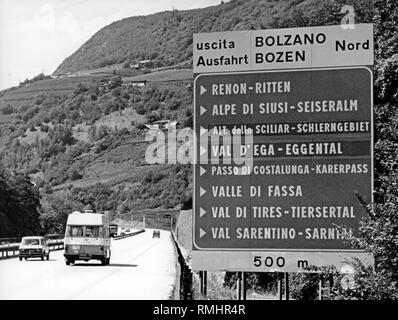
140,125
173,104
153,177
74,174
80,89
8,109
115,81
140,108
153,116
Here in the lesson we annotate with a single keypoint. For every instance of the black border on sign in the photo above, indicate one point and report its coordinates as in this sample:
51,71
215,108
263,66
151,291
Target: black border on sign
194,245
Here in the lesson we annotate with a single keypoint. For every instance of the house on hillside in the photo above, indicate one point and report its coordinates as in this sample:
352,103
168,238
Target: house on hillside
134,83
162,125
140,64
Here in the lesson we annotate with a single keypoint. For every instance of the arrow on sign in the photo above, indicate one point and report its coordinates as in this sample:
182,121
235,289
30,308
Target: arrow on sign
201,233
202,131
202,90
202,110
202,171
202,150
202,191
202,212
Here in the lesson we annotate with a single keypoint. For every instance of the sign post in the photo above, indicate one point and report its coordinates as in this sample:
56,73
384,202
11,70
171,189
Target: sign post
284,146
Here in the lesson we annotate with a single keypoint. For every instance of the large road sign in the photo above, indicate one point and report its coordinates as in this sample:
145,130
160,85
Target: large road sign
291,191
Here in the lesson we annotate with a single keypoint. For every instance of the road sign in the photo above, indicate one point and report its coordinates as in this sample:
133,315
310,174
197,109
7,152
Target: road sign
293,186
287,48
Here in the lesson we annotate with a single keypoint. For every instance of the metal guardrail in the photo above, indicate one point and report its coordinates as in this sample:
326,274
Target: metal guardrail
128,234
11,250
14,240
186,273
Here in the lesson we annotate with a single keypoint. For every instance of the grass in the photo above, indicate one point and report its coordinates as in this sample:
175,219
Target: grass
121,119
215,288
217,291
33,136
124,163
163,75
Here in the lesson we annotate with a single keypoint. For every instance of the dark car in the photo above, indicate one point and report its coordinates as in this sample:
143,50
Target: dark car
156,234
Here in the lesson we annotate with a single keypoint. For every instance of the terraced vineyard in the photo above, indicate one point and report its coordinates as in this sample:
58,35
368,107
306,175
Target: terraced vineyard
57,86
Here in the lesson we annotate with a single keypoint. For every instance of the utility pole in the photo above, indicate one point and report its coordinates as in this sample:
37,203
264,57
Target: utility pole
280,289
239,287
205,283
244,285
287,285
320,288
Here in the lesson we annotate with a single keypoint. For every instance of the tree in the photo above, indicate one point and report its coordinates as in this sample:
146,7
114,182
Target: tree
19,205
115,81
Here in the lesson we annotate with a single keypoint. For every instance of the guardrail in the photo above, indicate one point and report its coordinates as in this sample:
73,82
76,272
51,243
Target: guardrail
13,240
128,234
11,250
185,275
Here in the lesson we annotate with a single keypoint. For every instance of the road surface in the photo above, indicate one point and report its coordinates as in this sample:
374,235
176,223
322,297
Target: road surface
141,268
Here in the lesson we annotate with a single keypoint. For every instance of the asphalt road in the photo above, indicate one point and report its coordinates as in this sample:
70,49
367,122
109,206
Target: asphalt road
141,268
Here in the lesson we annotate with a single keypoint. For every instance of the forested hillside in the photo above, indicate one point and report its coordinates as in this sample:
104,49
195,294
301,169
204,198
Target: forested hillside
166,37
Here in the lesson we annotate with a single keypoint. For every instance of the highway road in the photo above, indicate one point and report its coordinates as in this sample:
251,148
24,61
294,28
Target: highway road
141,268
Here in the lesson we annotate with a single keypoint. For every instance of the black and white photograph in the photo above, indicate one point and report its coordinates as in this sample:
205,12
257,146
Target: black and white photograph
184,152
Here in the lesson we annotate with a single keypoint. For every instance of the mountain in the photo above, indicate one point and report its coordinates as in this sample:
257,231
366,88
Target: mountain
166,37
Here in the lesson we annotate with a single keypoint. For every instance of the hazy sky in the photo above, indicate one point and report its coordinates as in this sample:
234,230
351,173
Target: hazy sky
37,35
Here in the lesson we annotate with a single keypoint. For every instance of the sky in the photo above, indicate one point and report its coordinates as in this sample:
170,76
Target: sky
37,35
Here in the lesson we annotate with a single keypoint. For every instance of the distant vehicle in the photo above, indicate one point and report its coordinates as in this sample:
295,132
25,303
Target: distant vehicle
34,247
156,234
87,237
127,230
113,230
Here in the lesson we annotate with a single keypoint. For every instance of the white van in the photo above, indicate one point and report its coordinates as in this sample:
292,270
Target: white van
87,237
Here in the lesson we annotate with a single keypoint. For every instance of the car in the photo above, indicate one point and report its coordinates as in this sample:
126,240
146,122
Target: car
34,247
156,234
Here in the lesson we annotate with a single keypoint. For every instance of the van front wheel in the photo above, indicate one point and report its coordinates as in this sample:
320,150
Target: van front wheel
67,262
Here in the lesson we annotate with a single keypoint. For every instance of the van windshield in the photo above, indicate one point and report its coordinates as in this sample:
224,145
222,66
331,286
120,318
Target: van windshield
84,231
75,231
93,232
31,242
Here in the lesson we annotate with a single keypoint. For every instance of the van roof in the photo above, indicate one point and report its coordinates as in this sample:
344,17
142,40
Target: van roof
86,219
33,237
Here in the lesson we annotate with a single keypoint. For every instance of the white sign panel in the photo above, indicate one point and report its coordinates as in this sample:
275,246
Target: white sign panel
268,261
290,48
